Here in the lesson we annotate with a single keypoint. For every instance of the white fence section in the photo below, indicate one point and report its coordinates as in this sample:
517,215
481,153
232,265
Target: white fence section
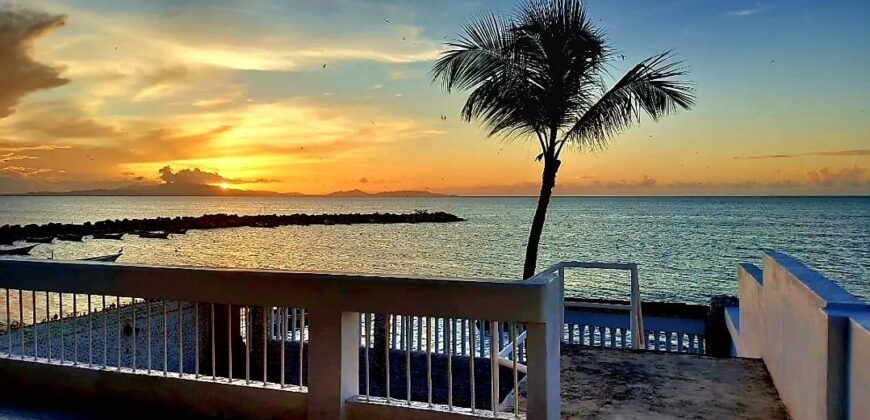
812,335
197,338
600,334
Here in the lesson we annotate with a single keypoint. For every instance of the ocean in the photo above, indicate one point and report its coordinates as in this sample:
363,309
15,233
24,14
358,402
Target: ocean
687,248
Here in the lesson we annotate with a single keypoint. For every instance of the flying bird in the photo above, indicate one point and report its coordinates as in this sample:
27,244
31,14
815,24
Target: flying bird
622,56
386,20
324,66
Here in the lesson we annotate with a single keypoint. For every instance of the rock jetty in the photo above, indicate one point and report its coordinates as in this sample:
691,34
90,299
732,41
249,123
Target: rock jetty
11,233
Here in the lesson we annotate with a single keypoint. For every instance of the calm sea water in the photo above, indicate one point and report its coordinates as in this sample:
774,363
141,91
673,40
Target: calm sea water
687,248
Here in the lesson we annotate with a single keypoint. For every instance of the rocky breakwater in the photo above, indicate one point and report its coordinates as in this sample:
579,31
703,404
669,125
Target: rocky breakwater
11,233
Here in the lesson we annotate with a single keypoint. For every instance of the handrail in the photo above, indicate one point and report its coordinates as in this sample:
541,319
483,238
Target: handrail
636,321
332,306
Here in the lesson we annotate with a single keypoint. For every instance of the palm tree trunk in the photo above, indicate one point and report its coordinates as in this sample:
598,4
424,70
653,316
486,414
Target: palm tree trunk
548,181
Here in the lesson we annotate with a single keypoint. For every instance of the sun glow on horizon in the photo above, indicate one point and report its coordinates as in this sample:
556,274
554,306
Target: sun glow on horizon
224,186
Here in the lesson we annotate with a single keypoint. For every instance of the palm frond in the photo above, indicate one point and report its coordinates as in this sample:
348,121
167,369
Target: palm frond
483,51
652,87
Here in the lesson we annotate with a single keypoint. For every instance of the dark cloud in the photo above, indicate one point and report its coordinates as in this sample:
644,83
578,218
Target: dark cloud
197,176
20,74
855,152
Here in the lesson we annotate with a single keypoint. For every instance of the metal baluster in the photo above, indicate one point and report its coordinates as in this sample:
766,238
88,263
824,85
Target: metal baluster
283,330
213,333
196,339
105,334
429,359
388,319
48,322
230,342
62,324
118,332
9,326
35,328
148,315
248,335
133,321
75,333
368,333
449,347
21,322
265,344
165,345
180,338
409,331
471,361
301,343
90,335
516,352
493,363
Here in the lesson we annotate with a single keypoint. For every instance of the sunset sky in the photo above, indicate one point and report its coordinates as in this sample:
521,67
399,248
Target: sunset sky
318,96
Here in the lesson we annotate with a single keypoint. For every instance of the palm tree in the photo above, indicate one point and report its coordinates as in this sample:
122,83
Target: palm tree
540,74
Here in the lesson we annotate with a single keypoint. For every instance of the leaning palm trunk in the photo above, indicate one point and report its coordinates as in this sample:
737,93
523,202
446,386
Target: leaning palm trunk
548,181
540,73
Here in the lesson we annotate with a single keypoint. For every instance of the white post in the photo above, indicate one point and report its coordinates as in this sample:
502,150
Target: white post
544,358
636,321
333,362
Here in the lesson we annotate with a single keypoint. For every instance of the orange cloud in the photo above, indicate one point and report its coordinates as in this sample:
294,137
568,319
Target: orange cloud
853,176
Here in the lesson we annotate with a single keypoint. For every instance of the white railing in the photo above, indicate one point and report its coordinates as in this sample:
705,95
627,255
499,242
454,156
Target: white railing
635,337
211,327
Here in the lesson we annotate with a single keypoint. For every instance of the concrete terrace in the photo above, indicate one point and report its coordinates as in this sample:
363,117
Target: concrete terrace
625,384
802,346
607,384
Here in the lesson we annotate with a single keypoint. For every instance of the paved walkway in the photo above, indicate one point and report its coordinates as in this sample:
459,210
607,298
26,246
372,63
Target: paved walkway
623,384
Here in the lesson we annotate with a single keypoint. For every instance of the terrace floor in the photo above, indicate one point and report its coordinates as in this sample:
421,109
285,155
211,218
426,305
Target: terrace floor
615,384
624,384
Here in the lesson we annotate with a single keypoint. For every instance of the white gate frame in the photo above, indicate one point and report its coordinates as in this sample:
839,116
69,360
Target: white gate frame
638,341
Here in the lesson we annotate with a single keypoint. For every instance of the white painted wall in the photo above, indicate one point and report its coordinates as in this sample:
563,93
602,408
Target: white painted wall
751,340
859,367
812,336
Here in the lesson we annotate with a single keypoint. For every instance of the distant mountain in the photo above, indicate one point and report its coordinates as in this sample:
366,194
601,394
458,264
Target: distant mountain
211,190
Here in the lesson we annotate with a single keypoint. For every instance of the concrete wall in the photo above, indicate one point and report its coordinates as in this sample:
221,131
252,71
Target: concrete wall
751,315
803,326
859,367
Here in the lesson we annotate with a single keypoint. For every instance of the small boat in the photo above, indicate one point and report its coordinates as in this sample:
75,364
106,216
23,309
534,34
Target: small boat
104,258
179,231
40,239
159,234
70,237
22,250
115,236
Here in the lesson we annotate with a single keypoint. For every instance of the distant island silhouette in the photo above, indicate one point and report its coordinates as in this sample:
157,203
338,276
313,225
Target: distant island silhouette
184,189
